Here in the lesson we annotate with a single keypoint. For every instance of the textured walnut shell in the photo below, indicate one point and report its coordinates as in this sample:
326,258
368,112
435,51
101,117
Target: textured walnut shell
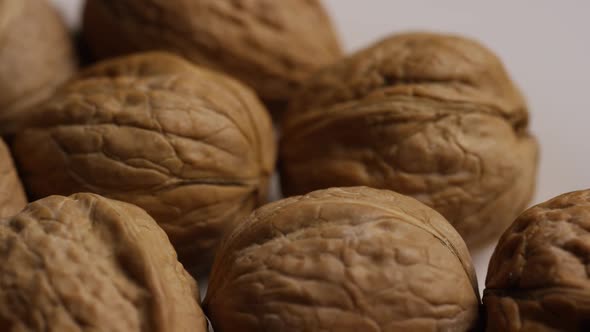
538,275
270,45
432,116
193,148
36,56
343,259
12,196
88,263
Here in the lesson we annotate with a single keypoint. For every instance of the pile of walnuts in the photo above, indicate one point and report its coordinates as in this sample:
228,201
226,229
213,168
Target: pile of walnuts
151,167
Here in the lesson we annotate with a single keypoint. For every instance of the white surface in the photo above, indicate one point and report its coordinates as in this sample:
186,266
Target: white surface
544,44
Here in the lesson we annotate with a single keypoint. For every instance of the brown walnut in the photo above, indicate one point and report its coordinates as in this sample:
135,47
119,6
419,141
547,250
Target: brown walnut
87,263
192,147
270,45
12,196
36,56
432,116
343,259
538,275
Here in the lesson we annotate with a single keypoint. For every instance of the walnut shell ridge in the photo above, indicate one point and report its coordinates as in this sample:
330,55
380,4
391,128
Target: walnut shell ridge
343,259
432,116
270,45
36,56
12,195
192,147
538,275
87,263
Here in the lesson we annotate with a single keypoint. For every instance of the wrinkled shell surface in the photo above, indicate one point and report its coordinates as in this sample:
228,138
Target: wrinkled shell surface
432,116
191,147
87,263
350,259
36,56
12,196
270,45
538,276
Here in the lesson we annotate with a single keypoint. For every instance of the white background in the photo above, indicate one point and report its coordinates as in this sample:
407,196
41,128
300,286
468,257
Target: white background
545,44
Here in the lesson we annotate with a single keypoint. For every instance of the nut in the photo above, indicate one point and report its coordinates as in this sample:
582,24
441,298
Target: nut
432,116
36,56
193,148
270,45
86,262
538,275
12,196
343,259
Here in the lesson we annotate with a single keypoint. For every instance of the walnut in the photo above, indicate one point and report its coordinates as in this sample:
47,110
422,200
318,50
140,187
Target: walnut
538,275
36,56
432,116
193,148
12,196
343,259
270,45
87,263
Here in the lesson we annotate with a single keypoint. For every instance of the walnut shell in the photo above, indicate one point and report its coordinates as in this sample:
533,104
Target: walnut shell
193,148
270,45
36,56
12,195
343,259
538,275
87,263
432,116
